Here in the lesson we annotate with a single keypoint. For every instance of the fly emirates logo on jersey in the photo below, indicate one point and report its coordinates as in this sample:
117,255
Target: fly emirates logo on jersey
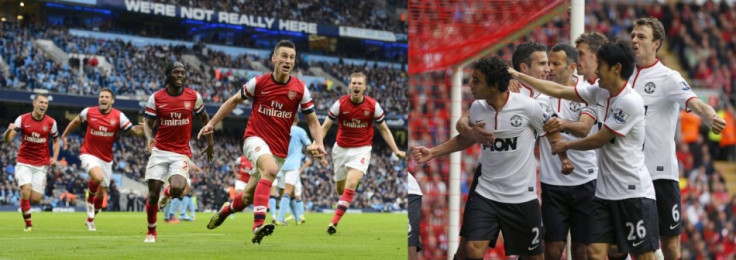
355,123
502,145
175,120
35,138
276,110
102,132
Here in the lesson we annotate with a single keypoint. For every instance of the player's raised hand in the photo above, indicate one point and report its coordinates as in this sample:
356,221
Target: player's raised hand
513,72
138,129
206,130
53,162
717,124
317,150
400,154
421,154
11,126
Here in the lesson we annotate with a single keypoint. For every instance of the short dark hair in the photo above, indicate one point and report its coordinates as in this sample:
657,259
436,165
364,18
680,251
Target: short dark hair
573,56
618,51
40,95
523,53
594,40
284,43
658,32
496,72
109,90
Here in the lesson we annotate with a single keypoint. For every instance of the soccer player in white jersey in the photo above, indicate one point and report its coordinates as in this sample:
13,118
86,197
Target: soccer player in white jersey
505,199
664,92
566,199
103,124
291,172
276,98
415,216
624,209
351,154
36,129
173,107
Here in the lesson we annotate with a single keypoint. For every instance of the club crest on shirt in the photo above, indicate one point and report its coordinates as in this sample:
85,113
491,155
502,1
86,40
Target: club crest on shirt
620,116
516,121
575,107
45,128
112,121
649,87
685,86
366,112
292,94
187,105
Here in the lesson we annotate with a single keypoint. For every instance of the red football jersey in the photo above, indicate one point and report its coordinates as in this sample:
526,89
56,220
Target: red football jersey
34,148
274,107
101,131
355,121
174,114
244,168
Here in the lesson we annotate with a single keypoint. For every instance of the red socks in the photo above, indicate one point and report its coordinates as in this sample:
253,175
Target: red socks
25,209
342,205
260,202
151,211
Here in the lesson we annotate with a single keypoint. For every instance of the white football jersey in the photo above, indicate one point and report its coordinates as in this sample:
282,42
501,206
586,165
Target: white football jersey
508,165
664,92
413,185
622,173
585,162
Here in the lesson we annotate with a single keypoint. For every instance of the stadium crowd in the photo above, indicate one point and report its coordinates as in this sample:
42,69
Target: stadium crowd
135,70
703,39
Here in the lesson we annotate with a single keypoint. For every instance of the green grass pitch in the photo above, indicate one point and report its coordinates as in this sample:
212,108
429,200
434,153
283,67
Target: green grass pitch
120,235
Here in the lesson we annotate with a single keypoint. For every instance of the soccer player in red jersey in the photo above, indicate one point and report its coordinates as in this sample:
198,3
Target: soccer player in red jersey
33,155
351,155
172,107
103,124
242,168
277,98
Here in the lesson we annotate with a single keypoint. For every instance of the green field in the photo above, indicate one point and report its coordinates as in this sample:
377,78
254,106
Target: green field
120,236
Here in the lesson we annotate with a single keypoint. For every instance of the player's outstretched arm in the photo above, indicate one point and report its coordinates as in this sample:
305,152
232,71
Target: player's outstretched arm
318,148
148,130
225,109
69,128
137,130
588,143
389,138
56,148
547,87
458,143
210,150
708,114
10,133
476,133
580,128
326,126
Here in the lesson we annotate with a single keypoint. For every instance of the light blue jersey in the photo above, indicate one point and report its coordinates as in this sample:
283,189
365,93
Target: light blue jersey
298,140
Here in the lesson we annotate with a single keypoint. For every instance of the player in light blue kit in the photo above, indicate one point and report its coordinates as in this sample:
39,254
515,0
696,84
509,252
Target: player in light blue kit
291,171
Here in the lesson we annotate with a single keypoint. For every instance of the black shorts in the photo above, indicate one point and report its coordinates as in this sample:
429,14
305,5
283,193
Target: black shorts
415,210
629,223
669,207
520,223
473,184
567,208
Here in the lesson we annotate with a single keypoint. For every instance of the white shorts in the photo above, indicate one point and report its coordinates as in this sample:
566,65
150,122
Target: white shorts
279,181
291,177
357,158
298,188
240,185
35,175
164,164
90,161
253,148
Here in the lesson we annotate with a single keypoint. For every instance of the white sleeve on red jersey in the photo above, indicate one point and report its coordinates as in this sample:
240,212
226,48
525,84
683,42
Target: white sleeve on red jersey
307,103
199,104
237,162
125,123
54,130
249,89
83,114
17,123
151,107
379,114
334,110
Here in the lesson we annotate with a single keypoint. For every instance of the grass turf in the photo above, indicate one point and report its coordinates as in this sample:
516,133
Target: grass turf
120,235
